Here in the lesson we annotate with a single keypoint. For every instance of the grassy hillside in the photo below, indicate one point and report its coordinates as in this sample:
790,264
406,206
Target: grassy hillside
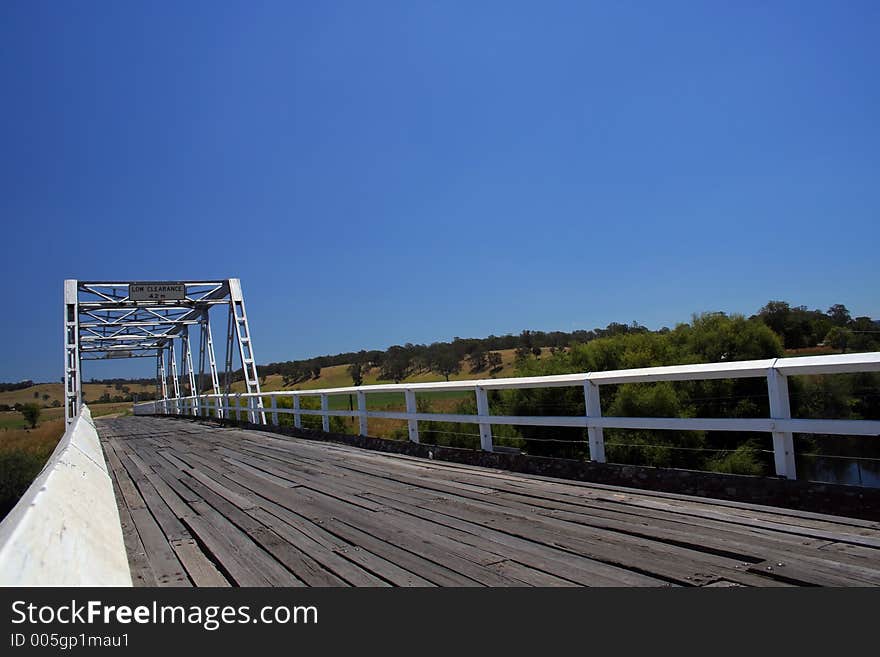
337,376
438,402
15,420
331,377
55,392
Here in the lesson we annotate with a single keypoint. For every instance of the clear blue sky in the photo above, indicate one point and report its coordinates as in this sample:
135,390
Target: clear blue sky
389,172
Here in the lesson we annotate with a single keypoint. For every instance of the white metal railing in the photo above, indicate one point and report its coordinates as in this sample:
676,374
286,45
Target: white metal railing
65,529
776,370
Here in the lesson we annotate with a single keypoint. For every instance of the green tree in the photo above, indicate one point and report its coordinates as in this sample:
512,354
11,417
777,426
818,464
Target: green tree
710,337
444,360
477,361
796,325
838,337
31,413
714,337
524,349
355,371
865,334
396,364
839,314
656,448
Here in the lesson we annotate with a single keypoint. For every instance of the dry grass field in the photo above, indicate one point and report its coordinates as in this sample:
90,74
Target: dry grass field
45,394
23,451
337,376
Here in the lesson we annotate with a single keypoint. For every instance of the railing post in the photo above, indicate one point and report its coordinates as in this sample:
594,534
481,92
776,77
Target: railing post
297,416
325,419
362,412
594,434
411,408
238,407
780,409
274,405
483,411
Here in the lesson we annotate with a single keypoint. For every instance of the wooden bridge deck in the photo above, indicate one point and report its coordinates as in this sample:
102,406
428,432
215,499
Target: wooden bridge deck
210,506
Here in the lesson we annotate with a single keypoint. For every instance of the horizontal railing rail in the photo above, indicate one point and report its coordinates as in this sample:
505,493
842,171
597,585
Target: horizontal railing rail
65,529
780,424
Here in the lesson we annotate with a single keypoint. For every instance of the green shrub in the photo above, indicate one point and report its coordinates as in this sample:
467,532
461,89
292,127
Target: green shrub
18,468
745,460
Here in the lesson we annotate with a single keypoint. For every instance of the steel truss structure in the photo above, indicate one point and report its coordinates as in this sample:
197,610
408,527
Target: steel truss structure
104,320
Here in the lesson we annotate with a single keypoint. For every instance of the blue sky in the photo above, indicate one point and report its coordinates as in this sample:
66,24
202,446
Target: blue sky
390,172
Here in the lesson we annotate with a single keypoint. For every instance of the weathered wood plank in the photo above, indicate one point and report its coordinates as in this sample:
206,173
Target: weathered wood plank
305,567
241,552
255,509
141,572
201,569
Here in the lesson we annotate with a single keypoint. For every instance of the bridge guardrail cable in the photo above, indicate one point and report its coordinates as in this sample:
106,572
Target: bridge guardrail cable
779,424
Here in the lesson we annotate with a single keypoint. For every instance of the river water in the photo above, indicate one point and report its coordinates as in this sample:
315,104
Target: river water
839,471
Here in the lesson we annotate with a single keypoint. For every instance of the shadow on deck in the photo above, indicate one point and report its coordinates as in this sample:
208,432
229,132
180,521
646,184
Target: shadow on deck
210,506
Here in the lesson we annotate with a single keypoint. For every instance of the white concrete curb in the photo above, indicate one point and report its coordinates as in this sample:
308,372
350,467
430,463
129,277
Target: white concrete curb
65,530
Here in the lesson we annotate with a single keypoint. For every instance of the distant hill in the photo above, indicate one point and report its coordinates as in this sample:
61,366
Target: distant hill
802,331
47,394
337,376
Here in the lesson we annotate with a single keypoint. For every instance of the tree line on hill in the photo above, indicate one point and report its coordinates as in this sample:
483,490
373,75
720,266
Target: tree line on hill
20,385
399,362
797,326
710,337
119,381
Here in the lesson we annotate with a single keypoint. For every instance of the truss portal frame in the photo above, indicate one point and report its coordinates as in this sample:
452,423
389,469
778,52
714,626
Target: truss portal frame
103,321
